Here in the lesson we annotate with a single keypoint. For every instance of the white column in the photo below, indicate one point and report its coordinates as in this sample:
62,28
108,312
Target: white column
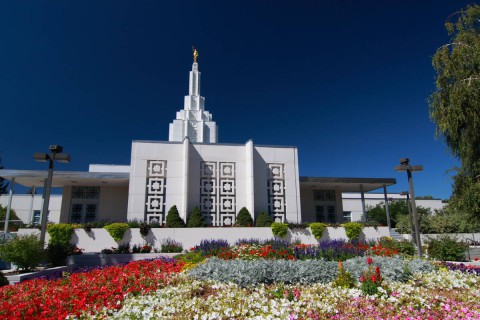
364,211
30,212
186,163
9,205
250,185
297,188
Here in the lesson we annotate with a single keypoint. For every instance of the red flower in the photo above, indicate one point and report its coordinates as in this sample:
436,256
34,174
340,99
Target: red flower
369,260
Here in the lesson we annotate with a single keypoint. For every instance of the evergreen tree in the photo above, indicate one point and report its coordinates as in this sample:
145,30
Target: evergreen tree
196,219
173,218
263,220
244,219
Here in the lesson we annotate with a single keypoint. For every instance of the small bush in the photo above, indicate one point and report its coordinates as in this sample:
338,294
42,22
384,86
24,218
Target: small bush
57,253
353,230
446,248
60,234
144,229
26,252
211,247
279,229
344,279
173,218
170,245
135,223
263,220
196,219
317,229
403,247
244,219
3,280
117,230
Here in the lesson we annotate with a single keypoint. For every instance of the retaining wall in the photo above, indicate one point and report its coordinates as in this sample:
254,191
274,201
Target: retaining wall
99,239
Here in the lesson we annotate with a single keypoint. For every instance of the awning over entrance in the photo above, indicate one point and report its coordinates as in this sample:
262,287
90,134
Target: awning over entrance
36,178
346,184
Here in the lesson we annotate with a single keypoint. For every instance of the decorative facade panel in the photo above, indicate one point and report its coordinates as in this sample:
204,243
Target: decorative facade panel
276,192
155,191
217,192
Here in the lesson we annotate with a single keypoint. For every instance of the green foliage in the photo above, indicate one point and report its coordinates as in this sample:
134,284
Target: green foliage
173,219
3,280
170,245
353,230
404,247
12,225
279,229
424,215
196,219
317,229
244,219
455,104
191,257
60,234
26,252
117,230
144,229
263,220
446,248
344,279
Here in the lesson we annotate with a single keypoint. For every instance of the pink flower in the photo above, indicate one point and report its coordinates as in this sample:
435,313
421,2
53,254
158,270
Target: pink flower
362,279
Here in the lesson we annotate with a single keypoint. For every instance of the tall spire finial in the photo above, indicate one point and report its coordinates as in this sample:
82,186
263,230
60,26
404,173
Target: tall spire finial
195,54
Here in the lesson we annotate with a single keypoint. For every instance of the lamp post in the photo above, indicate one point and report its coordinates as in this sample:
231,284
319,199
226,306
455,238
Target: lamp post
412,227
55,154
405,166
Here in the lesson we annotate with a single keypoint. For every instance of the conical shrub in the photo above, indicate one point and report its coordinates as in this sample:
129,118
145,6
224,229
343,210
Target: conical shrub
263,220
244,219
196,219
173,219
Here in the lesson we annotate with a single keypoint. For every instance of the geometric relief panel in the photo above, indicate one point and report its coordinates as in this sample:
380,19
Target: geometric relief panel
155,191
217,192
276,192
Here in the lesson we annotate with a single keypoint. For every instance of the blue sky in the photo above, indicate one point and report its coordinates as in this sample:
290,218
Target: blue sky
347,82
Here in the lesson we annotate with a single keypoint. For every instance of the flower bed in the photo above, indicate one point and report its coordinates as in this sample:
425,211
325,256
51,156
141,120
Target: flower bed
264,284
84,291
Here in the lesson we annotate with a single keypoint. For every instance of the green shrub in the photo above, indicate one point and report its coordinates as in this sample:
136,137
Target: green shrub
263,220
244,219
353,230
196,219
191,257
135,223
117,230
404,247
173,219
26,252
57,253
3,280
446,248
317,229
344,279
60,234
170,245
144,228
12,225
279,229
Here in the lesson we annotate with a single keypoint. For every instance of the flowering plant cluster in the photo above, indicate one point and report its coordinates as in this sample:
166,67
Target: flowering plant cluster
431,295
462,267
253,251
371,279
85,292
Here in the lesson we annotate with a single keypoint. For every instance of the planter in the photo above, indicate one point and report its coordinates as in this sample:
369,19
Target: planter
37,274
91,260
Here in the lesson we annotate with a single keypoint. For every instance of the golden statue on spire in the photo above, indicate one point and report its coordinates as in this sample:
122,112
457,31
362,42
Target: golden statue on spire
195,54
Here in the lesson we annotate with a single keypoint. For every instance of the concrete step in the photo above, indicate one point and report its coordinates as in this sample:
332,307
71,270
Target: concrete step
395,235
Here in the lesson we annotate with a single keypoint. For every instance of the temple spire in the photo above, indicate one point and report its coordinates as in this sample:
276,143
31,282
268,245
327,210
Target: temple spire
195,54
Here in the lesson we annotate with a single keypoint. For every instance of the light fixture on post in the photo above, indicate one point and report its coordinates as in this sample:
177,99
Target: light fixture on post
410,216
55,154
405,166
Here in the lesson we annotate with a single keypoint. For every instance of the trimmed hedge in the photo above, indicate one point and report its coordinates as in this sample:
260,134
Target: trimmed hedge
117,230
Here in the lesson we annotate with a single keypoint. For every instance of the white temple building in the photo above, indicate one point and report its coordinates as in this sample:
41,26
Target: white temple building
192,169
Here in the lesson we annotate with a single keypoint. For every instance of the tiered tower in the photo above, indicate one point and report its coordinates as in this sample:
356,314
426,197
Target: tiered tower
193,122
